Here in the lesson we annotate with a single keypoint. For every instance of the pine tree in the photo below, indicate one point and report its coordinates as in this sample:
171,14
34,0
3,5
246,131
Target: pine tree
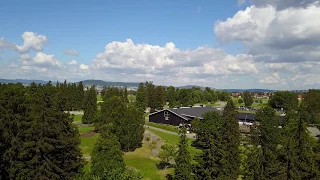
80,96
141,100
107,156
266,139
231,136
90,108
125,95
127,122
183,160
47,145
247,98
13,114
171,96
158,97
210,141
299,156
253,169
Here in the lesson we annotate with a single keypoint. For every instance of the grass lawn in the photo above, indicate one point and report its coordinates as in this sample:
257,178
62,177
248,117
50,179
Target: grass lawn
77,117
99,98
164,126
83,129
174,139
87,144
142,160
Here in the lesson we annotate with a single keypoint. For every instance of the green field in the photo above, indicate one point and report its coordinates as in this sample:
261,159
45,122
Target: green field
143,161
87,144
83,129
254,105
174,139
164,126
77,118
99,98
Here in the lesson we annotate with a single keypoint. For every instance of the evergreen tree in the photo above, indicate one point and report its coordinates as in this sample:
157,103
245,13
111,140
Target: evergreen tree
125,95
253,166
47,145
284,99
159,97
107,161
130,130
127,122
231,136
90,106
150,94
210,141
13,114
80,96
185,97
312,103
265,141
247,99
299,156
171,97
183,160
141,98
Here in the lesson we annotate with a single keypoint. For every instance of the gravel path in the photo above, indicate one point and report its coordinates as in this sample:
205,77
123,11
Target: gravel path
189,135
75,112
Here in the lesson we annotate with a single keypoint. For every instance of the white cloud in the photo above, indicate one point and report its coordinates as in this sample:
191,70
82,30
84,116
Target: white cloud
25,57
83,67
71,52
273,79
271,35
33,41
41,59
133,58
45,59
73,62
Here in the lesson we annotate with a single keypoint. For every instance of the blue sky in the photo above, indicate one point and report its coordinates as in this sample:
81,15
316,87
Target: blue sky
208,48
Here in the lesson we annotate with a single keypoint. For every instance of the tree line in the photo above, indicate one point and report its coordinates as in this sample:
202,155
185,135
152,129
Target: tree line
155,97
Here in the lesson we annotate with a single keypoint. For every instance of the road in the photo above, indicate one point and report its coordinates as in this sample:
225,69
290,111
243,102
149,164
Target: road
189,135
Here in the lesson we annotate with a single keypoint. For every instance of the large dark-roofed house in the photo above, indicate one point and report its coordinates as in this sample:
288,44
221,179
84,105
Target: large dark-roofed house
176,116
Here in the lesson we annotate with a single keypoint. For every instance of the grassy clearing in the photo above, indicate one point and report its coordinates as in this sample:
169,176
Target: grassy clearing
77,118
174,139
87,144
83,129
164,126
142,160
99,98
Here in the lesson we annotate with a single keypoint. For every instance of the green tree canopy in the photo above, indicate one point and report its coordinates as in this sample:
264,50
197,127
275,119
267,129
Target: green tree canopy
284,99
247,99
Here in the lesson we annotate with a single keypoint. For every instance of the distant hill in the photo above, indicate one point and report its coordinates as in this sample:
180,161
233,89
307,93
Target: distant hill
190,86
105,83
250,90
23,81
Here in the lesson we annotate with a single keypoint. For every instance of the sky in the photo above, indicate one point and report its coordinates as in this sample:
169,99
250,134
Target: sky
272,44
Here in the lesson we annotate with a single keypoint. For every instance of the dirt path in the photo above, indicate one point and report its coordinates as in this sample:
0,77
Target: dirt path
75,112
189,135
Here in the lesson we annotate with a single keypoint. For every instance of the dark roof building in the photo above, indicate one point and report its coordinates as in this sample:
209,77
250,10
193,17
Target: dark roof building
176,116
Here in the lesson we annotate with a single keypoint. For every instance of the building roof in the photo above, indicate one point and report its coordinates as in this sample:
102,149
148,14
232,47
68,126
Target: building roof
195,111
188,113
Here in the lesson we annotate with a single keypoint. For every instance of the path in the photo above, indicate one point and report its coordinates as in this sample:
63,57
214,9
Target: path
75,112
189,135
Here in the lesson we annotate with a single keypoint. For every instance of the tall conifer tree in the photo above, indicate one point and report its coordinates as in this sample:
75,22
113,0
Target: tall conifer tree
183,168
90,106
231,137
